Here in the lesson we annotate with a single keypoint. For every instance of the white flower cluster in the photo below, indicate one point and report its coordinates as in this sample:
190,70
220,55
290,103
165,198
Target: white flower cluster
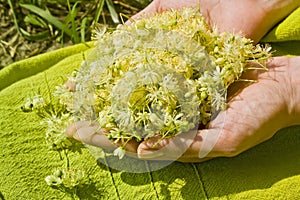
56,119
34,103
161,75
67,178
56,137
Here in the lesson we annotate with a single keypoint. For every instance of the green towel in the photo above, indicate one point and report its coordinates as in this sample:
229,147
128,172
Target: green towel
33,65
285,37
270,170
287,30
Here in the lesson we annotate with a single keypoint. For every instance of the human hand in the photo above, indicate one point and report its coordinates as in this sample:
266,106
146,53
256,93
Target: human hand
90,137
91,134
253,115
253,18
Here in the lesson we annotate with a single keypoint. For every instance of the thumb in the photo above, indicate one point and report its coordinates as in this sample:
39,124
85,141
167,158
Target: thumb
151,9
89,133
156,148
194,145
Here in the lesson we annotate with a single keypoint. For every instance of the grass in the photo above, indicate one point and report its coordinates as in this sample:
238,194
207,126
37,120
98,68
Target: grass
65,20
32,27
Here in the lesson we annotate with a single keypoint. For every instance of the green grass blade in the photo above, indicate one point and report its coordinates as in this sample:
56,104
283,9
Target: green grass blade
74,12
33,37
98,11
14,16
82,29
33,19
113,12
50,18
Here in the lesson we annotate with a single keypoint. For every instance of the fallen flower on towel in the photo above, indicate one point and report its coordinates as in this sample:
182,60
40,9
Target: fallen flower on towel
67,181
57,119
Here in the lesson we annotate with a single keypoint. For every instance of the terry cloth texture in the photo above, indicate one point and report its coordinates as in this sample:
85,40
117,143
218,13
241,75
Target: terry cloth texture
270,170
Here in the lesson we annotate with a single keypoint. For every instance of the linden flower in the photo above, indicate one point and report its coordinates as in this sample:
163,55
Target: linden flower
67,178
53,180
162,75
36,103
120,152
56,138
73,177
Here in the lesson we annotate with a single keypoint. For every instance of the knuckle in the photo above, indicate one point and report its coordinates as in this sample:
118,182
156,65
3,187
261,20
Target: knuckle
164,142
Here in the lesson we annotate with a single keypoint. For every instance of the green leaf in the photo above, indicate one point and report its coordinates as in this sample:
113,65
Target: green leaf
34,20
14,16
82,29
37,36
113,12
74,12
50,18
98,11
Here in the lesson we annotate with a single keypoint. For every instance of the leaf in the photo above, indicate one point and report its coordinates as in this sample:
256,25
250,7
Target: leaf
37,36
74,12
82,29
113,12
50,18
14,16
34,20
98,11
74,29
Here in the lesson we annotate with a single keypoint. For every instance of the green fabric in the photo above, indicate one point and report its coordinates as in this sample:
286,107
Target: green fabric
270,170
33,65
285,37
287,30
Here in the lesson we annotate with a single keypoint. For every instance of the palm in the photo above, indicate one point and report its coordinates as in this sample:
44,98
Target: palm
254,113
252,116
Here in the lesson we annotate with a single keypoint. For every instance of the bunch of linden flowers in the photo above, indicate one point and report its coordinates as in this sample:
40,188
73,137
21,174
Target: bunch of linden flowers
162,75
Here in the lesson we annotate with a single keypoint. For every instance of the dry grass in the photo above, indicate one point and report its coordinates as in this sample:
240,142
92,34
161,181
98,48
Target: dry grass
25,33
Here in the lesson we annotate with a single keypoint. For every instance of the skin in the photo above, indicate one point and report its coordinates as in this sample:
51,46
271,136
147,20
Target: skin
231,15
255,112
253,115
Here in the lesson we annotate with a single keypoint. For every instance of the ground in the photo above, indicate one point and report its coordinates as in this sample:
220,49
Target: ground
16,46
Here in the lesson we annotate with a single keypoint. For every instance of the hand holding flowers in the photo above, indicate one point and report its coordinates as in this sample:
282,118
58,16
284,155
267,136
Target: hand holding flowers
233,135
254,115
141,87
254,18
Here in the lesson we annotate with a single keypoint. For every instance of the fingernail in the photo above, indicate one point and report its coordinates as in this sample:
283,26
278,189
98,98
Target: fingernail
149,154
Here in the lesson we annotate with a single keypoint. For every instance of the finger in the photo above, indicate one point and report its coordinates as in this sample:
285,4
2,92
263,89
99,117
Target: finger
89,133
193,147
93,136
205,146
157,148
130,146
146,12
70,86
71,130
